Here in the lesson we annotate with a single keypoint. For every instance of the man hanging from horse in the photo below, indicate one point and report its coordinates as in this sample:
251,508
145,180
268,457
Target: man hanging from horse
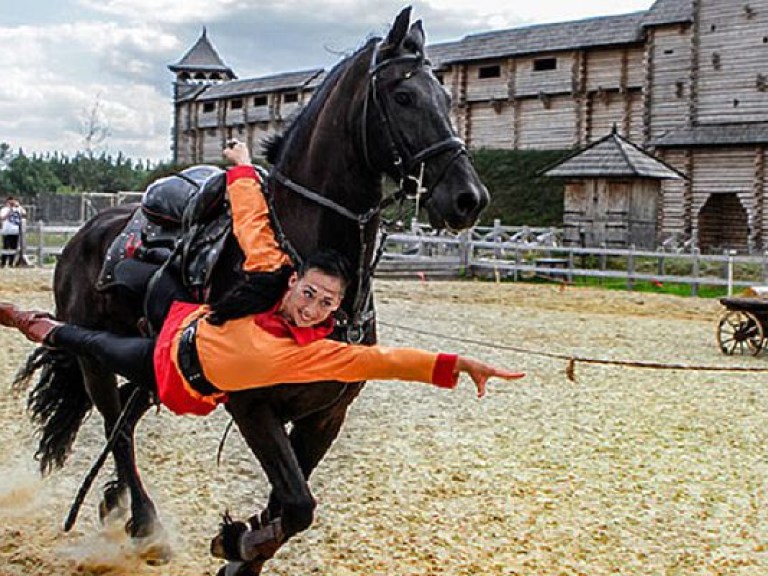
207,351
268,330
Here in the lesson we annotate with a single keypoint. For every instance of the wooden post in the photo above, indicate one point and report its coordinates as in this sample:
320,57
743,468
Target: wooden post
516,272
465,251
497,238
765,266
729,273
631,268
696,271
569,274
40,243
603,262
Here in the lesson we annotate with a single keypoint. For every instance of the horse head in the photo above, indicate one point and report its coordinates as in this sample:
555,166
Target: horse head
410,127
379,111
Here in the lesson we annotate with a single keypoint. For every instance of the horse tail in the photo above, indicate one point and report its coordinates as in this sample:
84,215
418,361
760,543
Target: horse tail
58,403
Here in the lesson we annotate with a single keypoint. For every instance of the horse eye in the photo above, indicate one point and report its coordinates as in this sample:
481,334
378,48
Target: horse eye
403,98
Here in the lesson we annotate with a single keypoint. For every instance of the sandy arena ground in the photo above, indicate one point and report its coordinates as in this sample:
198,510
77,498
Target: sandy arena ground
624,472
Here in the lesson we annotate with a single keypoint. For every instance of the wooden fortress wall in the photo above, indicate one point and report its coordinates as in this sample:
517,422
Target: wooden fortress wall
713,71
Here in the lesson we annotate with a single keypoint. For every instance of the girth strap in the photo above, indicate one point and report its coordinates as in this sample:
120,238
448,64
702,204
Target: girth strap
189,362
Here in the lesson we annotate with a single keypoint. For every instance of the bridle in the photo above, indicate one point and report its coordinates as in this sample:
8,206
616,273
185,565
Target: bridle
409,168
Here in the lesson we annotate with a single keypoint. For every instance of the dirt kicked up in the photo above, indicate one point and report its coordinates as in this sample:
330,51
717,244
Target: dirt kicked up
625,471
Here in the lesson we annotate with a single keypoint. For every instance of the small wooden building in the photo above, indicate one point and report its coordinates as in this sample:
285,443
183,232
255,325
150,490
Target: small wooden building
612,194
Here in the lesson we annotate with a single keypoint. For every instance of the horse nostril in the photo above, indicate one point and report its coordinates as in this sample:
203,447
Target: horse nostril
467,203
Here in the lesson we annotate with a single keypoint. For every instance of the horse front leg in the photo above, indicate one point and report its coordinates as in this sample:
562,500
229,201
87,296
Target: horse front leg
313,435
249,545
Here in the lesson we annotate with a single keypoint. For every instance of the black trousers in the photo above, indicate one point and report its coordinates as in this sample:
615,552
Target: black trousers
10,242
129,356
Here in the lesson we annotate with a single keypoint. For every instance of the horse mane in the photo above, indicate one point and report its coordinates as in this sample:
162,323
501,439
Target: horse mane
273,145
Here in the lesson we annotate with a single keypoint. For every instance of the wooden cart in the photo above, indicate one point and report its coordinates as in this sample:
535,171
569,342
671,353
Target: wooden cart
742,327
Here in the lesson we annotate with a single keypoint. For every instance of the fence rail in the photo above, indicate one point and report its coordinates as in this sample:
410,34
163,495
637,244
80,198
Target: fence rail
504,253
40,243
476,254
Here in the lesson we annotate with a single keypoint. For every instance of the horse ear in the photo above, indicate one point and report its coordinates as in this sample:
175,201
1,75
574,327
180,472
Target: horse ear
416,38
398,31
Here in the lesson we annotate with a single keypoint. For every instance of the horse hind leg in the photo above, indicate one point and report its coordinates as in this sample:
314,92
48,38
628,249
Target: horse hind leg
143,524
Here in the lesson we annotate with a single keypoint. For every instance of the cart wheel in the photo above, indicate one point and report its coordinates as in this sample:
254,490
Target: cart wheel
740,332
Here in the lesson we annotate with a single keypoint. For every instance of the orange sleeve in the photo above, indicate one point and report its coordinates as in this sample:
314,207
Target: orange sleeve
250,222
240,355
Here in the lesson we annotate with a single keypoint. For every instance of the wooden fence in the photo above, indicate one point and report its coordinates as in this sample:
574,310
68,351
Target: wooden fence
507,253
519,253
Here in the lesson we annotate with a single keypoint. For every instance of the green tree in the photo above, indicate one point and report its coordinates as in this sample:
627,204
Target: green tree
29,176
519,194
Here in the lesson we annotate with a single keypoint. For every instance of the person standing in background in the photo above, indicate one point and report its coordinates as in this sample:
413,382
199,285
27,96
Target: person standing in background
12,215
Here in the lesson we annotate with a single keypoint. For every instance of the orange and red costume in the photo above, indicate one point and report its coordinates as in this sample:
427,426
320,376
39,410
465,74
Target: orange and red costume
265,349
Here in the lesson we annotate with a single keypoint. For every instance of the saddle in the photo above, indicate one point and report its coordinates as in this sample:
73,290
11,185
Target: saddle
182,216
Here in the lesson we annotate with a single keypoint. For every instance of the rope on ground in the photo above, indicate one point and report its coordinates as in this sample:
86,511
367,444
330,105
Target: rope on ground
570,369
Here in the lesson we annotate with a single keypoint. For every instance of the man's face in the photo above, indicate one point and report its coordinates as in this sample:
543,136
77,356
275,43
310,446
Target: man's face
311,299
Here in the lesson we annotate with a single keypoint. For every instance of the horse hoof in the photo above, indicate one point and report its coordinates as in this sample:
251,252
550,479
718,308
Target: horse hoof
154,553
113,504
240,569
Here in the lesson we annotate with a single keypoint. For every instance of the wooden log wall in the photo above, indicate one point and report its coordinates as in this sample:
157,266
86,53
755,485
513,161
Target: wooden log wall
547,124
668,85
737,176
674,216
532,82
484,89
493,124
607,109
733,63
758,193
597,88
723,172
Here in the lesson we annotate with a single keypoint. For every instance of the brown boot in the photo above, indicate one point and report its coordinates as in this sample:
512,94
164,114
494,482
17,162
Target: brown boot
8,313
37,326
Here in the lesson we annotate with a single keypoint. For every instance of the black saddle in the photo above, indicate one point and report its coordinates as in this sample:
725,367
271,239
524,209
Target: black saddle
185,214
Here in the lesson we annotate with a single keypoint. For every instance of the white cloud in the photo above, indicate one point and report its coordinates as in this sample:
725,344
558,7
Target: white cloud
174,11
52,74
119,49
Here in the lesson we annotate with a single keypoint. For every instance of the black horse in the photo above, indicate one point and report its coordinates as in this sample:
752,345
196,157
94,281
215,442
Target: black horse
380,111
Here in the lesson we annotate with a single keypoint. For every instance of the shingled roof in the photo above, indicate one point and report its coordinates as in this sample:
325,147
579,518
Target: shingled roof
286,81
669,12
202,57
612,157
716,135
592,32
443,53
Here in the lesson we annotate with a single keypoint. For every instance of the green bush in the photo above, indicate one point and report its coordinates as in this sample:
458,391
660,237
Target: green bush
520,196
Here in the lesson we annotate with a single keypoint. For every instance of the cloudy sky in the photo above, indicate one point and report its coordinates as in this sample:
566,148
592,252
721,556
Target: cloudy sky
66,60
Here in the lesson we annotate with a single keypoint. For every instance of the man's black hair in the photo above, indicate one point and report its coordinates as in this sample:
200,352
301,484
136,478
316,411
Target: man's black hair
330,262
255,293
260,291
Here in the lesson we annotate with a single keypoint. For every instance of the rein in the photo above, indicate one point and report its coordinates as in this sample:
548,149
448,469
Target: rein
362,311
410,186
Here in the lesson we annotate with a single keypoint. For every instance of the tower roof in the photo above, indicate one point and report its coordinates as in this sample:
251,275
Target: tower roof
612,157
202,57
669,12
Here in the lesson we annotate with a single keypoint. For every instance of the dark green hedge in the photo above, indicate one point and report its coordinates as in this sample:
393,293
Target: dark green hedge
518,196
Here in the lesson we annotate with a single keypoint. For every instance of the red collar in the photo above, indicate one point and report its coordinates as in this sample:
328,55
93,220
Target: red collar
278,326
